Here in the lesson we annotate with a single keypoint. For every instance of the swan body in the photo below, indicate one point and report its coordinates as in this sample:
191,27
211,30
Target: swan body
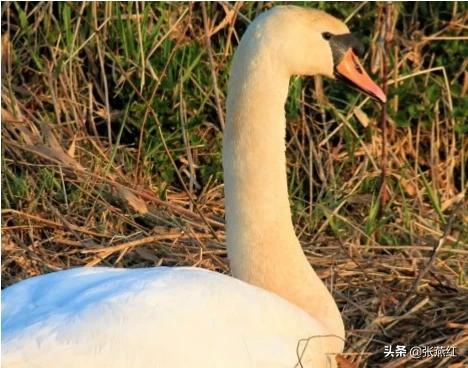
275,311
155,317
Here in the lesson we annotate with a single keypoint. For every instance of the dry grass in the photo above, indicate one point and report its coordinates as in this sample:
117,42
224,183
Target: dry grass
112,116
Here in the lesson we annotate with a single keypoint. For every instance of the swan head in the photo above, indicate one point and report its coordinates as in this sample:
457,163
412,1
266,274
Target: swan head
309,42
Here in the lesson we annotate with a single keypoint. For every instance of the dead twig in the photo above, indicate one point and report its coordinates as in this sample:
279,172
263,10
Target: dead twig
219,108
427,267
387,33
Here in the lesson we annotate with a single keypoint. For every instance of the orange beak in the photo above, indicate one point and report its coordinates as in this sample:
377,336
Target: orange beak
352,71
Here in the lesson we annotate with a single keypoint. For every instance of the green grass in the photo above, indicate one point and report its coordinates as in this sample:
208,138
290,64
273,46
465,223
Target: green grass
111,132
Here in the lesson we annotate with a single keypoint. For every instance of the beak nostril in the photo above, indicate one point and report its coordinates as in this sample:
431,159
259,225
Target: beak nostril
357,66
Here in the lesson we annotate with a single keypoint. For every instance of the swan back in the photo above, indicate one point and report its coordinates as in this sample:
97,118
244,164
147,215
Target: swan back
145,318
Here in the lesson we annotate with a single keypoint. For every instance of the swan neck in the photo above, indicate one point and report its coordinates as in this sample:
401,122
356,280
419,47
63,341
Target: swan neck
262,246
256,192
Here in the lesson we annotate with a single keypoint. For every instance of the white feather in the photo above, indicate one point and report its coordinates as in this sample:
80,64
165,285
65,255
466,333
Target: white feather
159,317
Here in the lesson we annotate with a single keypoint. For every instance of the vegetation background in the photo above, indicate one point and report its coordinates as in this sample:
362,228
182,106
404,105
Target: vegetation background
112,119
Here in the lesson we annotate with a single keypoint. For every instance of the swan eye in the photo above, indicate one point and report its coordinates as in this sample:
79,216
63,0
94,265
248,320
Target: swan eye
326,35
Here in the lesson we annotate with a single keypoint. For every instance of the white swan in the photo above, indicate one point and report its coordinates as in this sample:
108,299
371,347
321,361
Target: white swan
189,317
